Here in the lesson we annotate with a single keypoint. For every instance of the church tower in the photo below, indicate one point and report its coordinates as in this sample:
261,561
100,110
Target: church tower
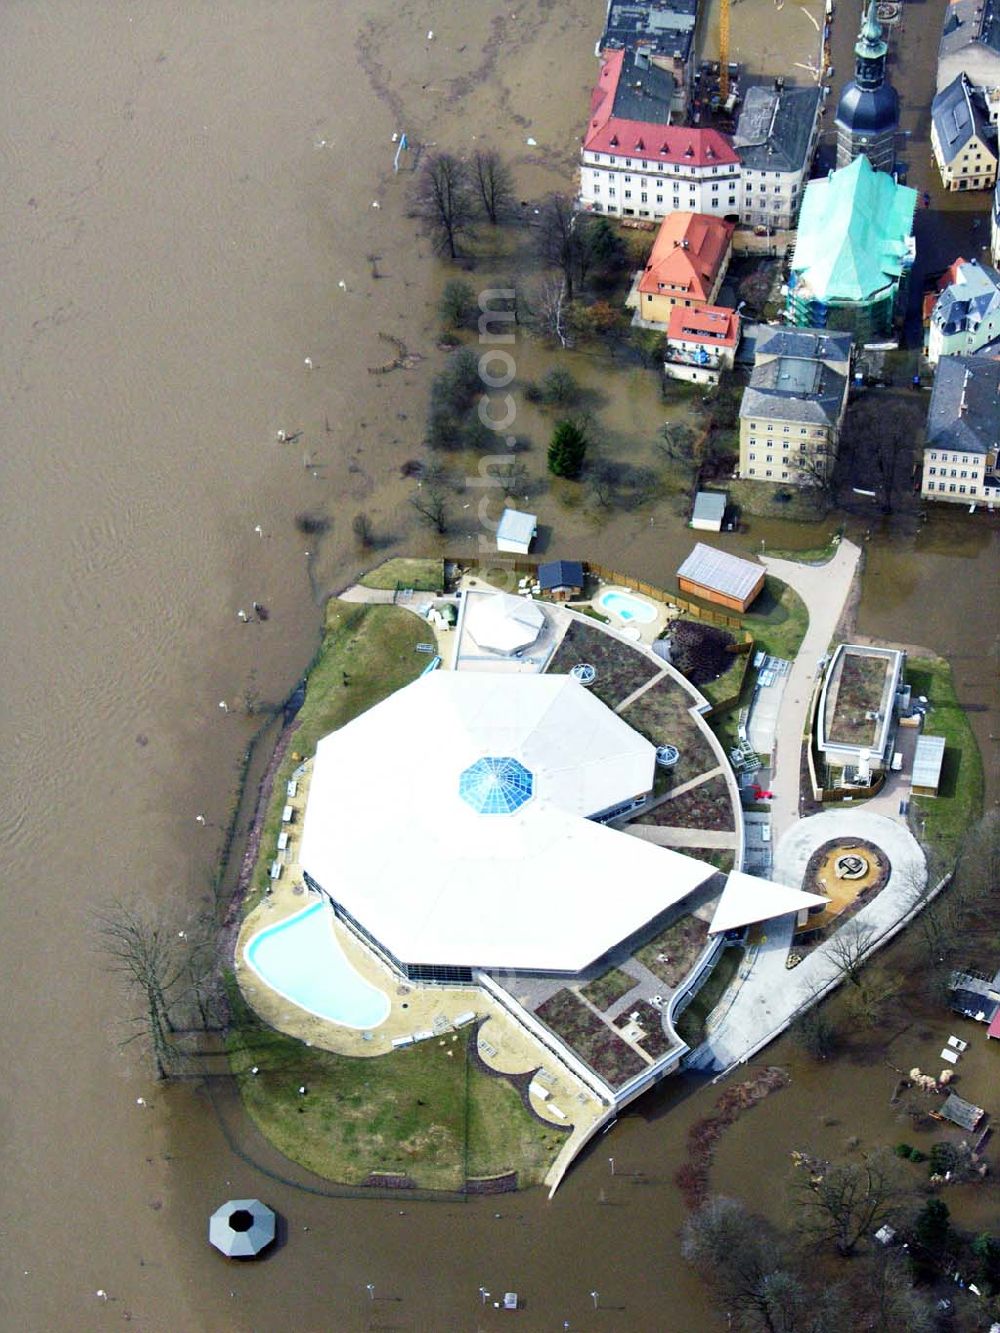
868,112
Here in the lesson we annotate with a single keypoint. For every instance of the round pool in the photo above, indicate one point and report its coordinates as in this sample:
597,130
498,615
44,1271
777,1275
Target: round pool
626,607
301,959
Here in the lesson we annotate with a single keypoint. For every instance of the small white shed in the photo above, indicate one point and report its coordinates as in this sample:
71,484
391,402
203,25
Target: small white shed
516,531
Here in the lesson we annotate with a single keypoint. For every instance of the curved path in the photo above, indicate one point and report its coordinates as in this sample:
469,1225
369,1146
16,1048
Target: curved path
825,590
768,995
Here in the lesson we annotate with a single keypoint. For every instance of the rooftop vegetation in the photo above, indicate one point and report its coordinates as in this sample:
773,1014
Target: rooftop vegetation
662,714
593,1040
621,669
604,990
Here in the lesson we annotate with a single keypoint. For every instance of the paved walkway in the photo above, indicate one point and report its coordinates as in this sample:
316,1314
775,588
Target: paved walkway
824,589
768,995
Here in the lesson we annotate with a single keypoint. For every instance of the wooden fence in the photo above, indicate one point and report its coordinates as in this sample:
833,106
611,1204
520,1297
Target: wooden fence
519,564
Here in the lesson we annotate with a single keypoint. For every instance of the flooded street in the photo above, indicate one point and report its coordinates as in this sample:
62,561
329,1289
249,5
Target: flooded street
185,191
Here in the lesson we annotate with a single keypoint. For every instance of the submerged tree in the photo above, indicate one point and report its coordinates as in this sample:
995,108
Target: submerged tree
850,1200
494,184
567,449
159,967
444,202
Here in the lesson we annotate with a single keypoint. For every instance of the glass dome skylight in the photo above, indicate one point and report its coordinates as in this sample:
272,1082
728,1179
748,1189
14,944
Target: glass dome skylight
496,786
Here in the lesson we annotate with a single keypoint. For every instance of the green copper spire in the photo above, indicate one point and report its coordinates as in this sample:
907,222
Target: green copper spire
871,45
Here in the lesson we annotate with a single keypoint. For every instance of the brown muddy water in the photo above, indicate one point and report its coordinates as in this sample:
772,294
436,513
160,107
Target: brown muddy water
184,190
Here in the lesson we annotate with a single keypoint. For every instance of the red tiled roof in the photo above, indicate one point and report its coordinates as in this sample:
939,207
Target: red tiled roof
714,325
994,1028
651,143
688,253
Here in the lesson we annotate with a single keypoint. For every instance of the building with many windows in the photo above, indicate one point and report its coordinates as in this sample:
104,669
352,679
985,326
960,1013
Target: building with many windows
966,315
853,252
638,166
775,140
685,268
995,228
963,432
701,343
868,111
962,138
794,405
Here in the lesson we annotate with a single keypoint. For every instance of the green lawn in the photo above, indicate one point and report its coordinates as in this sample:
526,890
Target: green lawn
691,1024
367,653
400,572
730,682
603,991
419,1112
778,619
960,797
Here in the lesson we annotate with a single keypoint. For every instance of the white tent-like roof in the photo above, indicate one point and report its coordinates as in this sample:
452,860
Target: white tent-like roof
502,623
747,899
451,822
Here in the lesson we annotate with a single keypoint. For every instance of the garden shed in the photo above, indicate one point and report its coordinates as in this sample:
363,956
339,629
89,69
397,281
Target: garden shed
717,576
516,531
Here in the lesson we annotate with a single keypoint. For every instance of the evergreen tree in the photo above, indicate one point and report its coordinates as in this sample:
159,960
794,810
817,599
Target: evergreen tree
567,450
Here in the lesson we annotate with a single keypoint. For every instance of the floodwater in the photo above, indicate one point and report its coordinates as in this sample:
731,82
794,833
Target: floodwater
185,191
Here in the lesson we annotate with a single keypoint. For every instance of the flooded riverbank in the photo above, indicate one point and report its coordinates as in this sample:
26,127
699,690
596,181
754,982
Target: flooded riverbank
185,192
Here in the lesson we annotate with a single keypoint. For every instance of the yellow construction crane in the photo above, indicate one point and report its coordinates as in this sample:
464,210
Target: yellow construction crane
723,50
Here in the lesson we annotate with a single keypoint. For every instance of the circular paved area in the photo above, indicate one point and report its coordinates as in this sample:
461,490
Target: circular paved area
909,868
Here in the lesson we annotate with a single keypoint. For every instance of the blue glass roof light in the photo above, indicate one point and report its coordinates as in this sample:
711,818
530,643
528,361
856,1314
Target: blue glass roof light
496,786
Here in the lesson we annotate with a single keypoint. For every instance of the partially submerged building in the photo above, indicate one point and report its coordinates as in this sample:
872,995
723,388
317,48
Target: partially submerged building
685,268
661,34
961,462
776,140
853,253
637,165
970,45
701,342
965,318
963,140
793,408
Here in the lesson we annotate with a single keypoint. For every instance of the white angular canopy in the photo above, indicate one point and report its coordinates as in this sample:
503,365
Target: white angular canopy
451,821
747,899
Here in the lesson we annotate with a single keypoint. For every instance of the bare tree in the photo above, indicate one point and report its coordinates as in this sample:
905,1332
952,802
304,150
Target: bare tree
559,239
740,1258
550,311
494,184
849,949
154,968
430,499
512,477
881,432
843,1203
444,202
676,441
361,526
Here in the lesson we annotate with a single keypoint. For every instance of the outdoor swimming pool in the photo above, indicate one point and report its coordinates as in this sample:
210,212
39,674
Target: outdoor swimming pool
626,608
301,959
